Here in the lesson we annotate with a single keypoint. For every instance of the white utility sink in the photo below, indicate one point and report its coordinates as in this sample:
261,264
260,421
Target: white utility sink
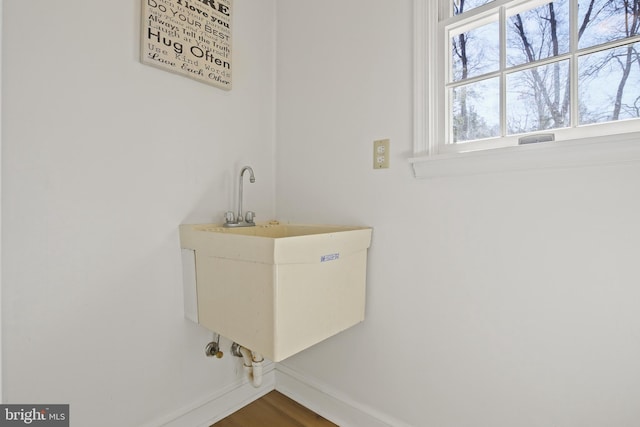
275,288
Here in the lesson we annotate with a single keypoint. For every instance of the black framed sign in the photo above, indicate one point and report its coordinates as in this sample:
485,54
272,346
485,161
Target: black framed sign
189,37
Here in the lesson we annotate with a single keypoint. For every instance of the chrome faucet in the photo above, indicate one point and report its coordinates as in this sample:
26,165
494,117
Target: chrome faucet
241,220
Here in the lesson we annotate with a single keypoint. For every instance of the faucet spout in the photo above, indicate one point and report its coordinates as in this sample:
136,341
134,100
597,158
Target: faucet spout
252,179
241,220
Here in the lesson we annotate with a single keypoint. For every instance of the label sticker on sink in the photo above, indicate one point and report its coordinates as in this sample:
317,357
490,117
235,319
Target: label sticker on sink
330,257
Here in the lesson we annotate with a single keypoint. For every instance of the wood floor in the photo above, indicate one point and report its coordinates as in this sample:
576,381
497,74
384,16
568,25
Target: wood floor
274,410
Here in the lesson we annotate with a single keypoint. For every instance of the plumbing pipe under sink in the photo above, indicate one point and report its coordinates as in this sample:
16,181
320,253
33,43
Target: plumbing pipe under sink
252,365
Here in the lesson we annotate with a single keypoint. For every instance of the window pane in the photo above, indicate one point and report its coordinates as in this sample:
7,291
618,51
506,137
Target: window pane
609,85
538,33
475,110
538,98
600,21
475,52
461,6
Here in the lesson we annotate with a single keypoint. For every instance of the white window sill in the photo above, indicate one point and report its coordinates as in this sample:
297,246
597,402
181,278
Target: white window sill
545,155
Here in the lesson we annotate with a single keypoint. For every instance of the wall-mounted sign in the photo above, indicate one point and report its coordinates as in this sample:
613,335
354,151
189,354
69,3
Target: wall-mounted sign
189,37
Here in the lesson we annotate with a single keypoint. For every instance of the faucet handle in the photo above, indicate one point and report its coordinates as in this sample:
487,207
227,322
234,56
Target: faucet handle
229,217
249,216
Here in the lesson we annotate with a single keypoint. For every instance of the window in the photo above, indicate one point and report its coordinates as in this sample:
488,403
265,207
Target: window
509,68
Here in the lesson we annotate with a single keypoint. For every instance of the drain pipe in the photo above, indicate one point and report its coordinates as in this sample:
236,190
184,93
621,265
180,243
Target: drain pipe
256,364
252,363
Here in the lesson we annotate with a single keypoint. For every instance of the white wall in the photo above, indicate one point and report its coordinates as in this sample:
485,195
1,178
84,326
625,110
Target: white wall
102,159
497,300
1,328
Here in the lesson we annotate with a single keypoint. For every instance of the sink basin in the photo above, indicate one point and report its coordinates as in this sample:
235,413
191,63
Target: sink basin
275,288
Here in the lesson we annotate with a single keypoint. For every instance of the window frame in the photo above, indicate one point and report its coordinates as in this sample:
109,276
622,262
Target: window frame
430,106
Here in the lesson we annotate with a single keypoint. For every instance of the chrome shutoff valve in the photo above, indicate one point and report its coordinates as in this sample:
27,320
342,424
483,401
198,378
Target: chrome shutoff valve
213,349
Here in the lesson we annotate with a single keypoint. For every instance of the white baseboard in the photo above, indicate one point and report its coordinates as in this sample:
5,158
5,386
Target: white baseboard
329,403
320,398
220,404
